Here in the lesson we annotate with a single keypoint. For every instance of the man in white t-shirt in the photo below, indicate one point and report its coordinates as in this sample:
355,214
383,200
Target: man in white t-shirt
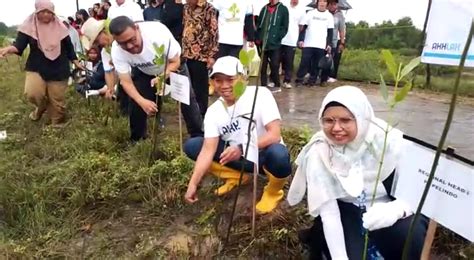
290,41
316,41
225,138
235,18
134,50
126,8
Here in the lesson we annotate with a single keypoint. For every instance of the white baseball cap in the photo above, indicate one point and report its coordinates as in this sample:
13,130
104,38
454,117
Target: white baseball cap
228,65
90,30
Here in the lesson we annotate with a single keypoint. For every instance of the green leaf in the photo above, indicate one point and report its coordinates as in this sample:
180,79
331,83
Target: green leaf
400,96
383,88
410,66
107,26
251,54
390,62
244,58
239,89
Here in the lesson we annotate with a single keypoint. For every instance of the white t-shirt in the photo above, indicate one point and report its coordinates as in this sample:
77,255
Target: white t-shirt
130,9
232,19
152,33
231,123
106,60
297,14
318,23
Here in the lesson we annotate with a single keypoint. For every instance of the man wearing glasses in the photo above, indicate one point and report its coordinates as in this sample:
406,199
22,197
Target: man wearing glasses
133,53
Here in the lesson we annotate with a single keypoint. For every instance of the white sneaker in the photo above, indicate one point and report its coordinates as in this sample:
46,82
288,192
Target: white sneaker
271,85
332,80
287,85
275,90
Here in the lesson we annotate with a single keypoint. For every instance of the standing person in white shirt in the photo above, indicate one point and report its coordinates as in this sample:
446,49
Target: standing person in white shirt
315,39
133,53
127,8
290,41
226,123
235,18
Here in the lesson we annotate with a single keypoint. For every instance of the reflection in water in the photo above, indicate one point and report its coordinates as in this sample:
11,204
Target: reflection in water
291,102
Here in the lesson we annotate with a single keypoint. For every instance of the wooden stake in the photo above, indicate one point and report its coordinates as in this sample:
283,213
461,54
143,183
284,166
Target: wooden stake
430,235
180,128
254,199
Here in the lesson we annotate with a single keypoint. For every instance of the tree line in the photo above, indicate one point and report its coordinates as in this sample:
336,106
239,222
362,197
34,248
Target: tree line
387,35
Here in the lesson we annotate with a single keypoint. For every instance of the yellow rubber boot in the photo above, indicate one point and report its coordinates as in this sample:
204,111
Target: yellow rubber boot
272,194
229,175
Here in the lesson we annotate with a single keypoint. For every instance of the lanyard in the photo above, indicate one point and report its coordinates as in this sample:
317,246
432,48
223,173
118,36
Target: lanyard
372,251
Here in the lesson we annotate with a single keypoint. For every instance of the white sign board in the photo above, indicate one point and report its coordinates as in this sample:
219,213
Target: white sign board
180,88
450,200
446,33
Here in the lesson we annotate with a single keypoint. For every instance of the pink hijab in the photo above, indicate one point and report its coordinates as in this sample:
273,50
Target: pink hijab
49,35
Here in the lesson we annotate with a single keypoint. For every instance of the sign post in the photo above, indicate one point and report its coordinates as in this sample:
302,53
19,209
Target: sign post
180,90
450,201
446,38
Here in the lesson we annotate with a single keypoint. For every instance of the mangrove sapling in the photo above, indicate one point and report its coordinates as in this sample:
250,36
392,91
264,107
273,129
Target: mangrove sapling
399,74
160,83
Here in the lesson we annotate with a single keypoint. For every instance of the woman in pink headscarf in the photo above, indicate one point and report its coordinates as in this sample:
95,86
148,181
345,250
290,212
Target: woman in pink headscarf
47,66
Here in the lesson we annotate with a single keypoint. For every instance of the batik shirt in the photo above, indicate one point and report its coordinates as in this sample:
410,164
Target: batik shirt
200,32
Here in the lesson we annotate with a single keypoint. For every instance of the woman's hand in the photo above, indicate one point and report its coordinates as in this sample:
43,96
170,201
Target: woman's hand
382,215
7,50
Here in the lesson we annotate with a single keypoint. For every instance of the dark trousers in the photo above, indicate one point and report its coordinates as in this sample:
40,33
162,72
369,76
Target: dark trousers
336,58
200,83
287,58
389,241
228,50
274,158
337,55
138,117
309,62
272,57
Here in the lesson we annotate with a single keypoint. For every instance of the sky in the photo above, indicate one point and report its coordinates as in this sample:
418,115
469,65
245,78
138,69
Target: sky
372,11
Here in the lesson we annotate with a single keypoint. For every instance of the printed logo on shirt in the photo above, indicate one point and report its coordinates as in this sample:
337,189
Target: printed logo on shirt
143,65
235,126
319,18
234,11
231,128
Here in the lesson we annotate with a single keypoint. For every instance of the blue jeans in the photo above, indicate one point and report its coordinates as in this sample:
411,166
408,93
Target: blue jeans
274,158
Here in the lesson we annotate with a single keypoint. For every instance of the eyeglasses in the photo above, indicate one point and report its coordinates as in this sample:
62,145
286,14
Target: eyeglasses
344,122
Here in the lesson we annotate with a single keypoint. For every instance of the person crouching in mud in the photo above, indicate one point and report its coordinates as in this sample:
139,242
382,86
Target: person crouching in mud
338,168
221,149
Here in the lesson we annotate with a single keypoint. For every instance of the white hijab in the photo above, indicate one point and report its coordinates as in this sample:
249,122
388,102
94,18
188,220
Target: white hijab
328,171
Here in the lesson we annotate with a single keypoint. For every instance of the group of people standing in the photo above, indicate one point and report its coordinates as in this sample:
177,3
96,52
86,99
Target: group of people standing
337,169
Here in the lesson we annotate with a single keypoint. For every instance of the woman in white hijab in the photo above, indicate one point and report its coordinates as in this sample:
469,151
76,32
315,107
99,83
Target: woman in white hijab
338,170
